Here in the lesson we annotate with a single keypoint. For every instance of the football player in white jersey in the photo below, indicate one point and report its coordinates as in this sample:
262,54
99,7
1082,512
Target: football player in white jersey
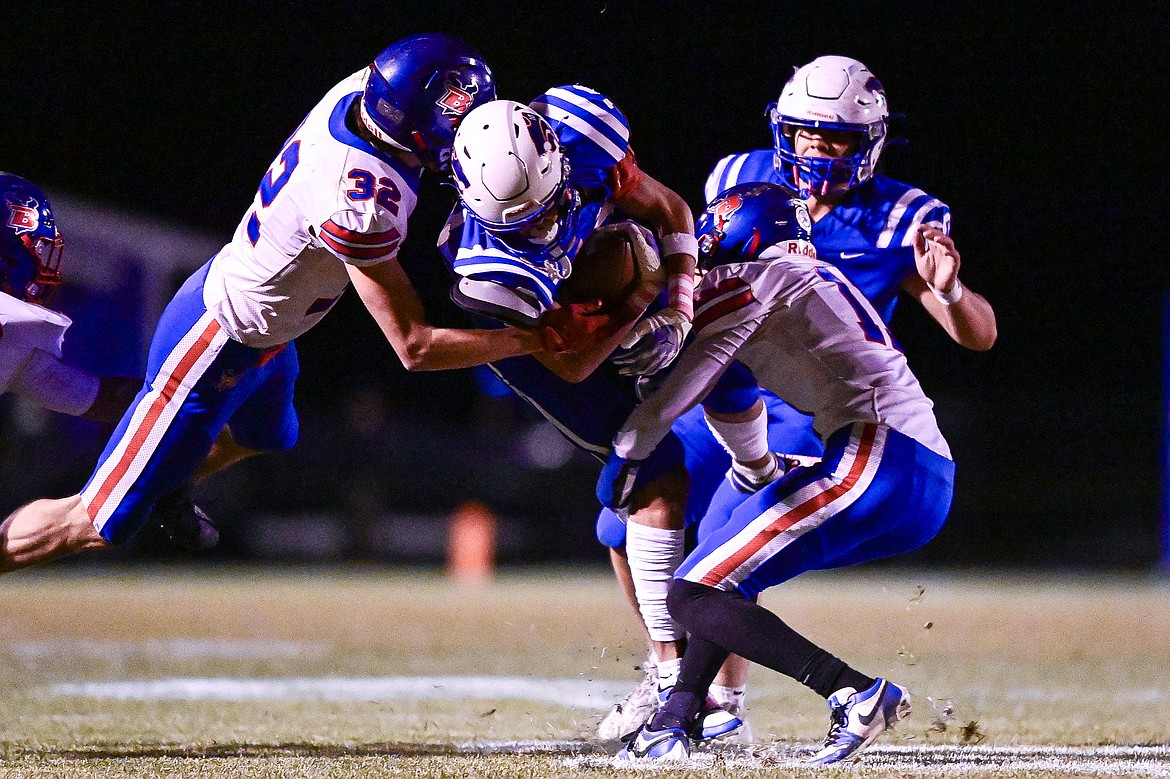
331,210
32,336
883,487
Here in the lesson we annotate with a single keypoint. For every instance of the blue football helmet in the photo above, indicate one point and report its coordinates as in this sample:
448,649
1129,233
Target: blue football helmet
753,221
829,93
30,246
419,89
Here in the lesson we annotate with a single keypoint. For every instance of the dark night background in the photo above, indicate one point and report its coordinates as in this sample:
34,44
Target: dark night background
1037,125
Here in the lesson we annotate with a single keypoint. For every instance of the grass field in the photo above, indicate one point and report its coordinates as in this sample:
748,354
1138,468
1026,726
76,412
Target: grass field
265,672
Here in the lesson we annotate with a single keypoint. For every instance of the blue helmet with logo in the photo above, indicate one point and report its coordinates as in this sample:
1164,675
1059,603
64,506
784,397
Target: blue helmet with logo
419,89
754,221
30,246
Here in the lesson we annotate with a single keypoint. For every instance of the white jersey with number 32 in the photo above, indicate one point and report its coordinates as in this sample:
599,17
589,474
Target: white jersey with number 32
329,199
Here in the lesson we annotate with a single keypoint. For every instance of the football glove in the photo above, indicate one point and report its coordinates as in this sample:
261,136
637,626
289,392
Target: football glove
653,343
568,328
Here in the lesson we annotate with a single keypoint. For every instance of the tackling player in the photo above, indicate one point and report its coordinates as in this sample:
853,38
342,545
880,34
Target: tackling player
829,129
883,487
332,209
535,185
32,335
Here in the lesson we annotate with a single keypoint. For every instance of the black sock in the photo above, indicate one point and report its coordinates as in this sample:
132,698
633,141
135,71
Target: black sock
700,664
824,674
748,629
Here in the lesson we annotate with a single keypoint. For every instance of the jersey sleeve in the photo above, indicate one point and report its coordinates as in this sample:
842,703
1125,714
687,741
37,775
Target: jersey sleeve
362,237
908,212
594,132
55,385
489,279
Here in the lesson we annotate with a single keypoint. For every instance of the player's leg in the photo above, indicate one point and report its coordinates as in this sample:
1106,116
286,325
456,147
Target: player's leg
264,421
859,498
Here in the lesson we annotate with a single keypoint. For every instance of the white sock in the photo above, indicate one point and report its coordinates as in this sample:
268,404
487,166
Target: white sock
745,441
730,699
668,672
654,554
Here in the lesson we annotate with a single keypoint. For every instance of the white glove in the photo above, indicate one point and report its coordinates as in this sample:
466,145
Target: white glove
653,343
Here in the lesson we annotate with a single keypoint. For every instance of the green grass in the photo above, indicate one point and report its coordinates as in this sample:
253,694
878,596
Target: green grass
1022,661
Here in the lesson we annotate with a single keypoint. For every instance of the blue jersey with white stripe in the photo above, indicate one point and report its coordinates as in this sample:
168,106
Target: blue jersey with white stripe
869,235
595,137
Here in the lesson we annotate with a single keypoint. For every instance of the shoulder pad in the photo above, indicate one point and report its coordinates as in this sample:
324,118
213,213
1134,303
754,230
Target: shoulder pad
516,307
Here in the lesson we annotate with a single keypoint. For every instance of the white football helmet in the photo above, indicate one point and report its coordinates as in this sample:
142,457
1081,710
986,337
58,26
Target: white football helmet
830,93
512,174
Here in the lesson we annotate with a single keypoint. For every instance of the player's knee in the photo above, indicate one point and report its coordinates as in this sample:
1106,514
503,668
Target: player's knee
611,531
683,598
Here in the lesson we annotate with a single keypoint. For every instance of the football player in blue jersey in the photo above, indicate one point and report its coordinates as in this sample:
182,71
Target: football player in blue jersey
829,129
537,184
331,210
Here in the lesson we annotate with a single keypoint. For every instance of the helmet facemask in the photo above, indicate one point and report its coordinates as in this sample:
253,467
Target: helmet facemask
830,94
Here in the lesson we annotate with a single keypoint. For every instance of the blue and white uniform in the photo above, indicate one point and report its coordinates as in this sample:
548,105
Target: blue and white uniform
223,350
595,138
869,235
886,481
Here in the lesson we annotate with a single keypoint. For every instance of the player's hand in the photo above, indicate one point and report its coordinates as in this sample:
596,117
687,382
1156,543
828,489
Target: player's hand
936,257
653,343
568,328
615,486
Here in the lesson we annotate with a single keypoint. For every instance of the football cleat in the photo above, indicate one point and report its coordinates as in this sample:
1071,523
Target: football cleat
634,710
717,725
857,718
667,745
184,522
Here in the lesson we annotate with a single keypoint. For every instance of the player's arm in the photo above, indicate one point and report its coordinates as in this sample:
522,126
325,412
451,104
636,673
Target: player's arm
611,329
394,304
655,341
660,208
966,316
68,389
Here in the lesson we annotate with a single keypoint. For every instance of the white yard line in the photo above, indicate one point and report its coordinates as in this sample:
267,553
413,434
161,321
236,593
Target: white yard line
595,694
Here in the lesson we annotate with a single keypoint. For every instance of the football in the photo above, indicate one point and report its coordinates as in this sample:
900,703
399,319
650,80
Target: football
606,268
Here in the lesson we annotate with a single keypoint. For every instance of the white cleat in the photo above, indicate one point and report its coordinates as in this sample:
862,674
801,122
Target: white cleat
661,746
633,711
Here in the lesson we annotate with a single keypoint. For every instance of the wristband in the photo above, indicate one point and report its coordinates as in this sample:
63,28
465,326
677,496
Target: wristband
679,243
681,294
949,298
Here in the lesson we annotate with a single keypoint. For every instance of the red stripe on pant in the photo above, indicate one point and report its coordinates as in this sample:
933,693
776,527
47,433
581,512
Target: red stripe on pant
797,513
148,421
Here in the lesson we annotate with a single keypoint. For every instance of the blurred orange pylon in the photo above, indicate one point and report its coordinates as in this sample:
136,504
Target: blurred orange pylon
471,543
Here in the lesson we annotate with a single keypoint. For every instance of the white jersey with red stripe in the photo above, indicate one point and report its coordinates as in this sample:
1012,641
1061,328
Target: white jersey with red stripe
329,199
808,335
31,338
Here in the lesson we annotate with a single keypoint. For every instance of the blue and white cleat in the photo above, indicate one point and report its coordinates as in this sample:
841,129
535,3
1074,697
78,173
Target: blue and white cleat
667,746
857,718
716,726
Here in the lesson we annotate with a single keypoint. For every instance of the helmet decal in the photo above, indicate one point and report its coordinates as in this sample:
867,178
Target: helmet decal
458,99
23,217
